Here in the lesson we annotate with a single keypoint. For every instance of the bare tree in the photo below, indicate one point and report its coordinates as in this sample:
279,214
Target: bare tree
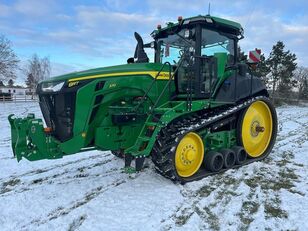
301,76
8,60
10,83
37,70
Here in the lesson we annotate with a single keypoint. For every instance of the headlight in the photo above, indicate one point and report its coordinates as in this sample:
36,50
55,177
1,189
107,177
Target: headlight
52,86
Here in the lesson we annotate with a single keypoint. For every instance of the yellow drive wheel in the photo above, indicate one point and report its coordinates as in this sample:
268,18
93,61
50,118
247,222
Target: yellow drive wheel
257,126
189,155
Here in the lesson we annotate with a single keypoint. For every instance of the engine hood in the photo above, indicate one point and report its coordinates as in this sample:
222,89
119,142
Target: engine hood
126,69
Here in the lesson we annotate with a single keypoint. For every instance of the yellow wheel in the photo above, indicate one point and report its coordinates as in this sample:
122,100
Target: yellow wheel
189,155
257,127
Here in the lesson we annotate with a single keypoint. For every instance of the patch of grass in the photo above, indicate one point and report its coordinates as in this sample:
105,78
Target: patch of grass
6,186
205,191
212,219
296,192
248,209
183,218
272,210
283,162
11,182
287,155
77,223
254,181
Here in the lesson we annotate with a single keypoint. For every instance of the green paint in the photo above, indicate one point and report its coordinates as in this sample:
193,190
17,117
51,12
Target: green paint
124,85
218,21
218,140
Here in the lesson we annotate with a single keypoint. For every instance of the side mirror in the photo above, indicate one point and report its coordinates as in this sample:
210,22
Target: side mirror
254,56
140,54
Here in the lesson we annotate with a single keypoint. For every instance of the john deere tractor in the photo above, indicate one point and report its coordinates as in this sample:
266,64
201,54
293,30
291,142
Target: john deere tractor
194,108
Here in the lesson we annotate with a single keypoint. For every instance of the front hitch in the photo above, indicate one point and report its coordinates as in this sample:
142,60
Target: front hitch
29,140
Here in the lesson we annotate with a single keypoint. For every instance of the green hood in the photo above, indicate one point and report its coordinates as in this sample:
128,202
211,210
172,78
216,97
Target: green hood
134,67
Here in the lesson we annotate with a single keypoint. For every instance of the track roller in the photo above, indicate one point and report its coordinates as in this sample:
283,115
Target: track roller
213,161
240,154
229,157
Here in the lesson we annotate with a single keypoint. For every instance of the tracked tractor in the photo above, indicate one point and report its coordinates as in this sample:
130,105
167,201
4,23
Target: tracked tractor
194,108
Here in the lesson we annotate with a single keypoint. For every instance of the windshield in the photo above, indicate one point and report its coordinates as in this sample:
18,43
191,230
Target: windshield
171,47
212,42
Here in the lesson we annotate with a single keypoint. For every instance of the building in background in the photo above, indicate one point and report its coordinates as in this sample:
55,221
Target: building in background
15,90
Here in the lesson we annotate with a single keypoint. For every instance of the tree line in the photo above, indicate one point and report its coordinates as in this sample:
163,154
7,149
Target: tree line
281,74
35,70
279,71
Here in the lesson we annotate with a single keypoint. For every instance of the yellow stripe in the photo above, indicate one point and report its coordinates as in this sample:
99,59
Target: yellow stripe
162,75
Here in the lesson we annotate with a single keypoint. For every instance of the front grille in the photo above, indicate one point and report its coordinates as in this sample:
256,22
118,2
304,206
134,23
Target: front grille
58,111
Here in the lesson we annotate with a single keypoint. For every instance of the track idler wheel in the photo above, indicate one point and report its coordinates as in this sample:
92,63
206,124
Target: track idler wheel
257,128
240,154
229,157
213,161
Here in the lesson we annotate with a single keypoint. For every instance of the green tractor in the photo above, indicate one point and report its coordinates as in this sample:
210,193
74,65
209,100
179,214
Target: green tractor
195,110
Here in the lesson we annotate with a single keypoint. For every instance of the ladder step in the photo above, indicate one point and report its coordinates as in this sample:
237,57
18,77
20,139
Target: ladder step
161,110
148,124
144,138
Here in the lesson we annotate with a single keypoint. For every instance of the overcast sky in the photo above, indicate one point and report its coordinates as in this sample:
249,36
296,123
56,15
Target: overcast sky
78,35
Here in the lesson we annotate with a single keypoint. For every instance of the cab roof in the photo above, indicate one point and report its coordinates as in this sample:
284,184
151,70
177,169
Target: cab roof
216,23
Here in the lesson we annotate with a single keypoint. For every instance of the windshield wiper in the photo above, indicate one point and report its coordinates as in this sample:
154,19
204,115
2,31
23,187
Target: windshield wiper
219,43
185,40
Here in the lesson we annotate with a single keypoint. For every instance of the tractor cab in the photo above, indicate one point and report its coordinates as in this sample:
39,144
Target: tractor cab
199,49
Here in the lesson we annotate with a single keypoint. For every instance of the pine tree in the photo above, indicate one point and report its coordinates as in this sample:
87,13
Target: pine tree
281,64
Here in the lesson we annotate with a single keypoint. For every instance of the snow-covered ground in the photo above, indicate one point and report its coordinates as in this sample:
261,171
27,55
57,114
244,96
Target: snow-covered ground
88,191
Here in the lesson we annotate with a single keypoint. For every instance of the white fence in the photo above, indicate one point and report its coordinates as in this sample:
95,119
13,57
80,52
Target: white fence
18,98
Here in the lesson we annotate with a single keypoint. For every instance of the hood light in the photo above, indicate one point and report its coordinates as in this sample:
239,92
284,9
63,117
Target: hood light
52,86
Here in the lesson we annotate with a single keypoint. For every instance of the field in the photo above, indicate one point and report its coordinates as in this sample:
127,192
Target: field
89,191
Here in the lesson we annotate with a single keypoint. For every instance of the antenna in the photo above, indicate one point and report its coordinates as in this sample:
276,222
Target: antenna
209,9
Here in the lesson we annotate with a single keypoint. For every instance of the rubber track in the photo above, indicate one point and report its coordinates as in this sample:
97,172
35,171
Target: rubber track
170,136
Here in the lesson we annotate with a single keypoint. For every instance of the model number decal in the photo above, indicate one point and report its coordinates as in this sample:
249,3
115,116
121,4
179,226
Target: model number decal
112,85
72,84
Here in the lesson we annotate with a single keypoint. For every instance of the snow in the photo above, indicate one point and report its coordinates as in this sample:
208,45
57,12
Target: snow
89,191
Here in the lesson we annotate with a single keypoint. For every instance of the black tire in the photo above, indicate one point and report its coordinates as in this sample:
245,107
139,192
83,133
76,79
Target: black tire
240,154
229,157
213,161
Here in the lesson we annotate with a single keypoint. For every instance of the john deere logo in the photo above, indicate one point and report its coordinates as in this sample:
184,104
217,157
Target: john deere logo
33,129
72,84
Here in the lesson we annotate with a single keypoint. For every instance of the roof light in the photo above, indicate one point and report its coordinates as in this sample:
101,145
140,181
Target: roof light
47,130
